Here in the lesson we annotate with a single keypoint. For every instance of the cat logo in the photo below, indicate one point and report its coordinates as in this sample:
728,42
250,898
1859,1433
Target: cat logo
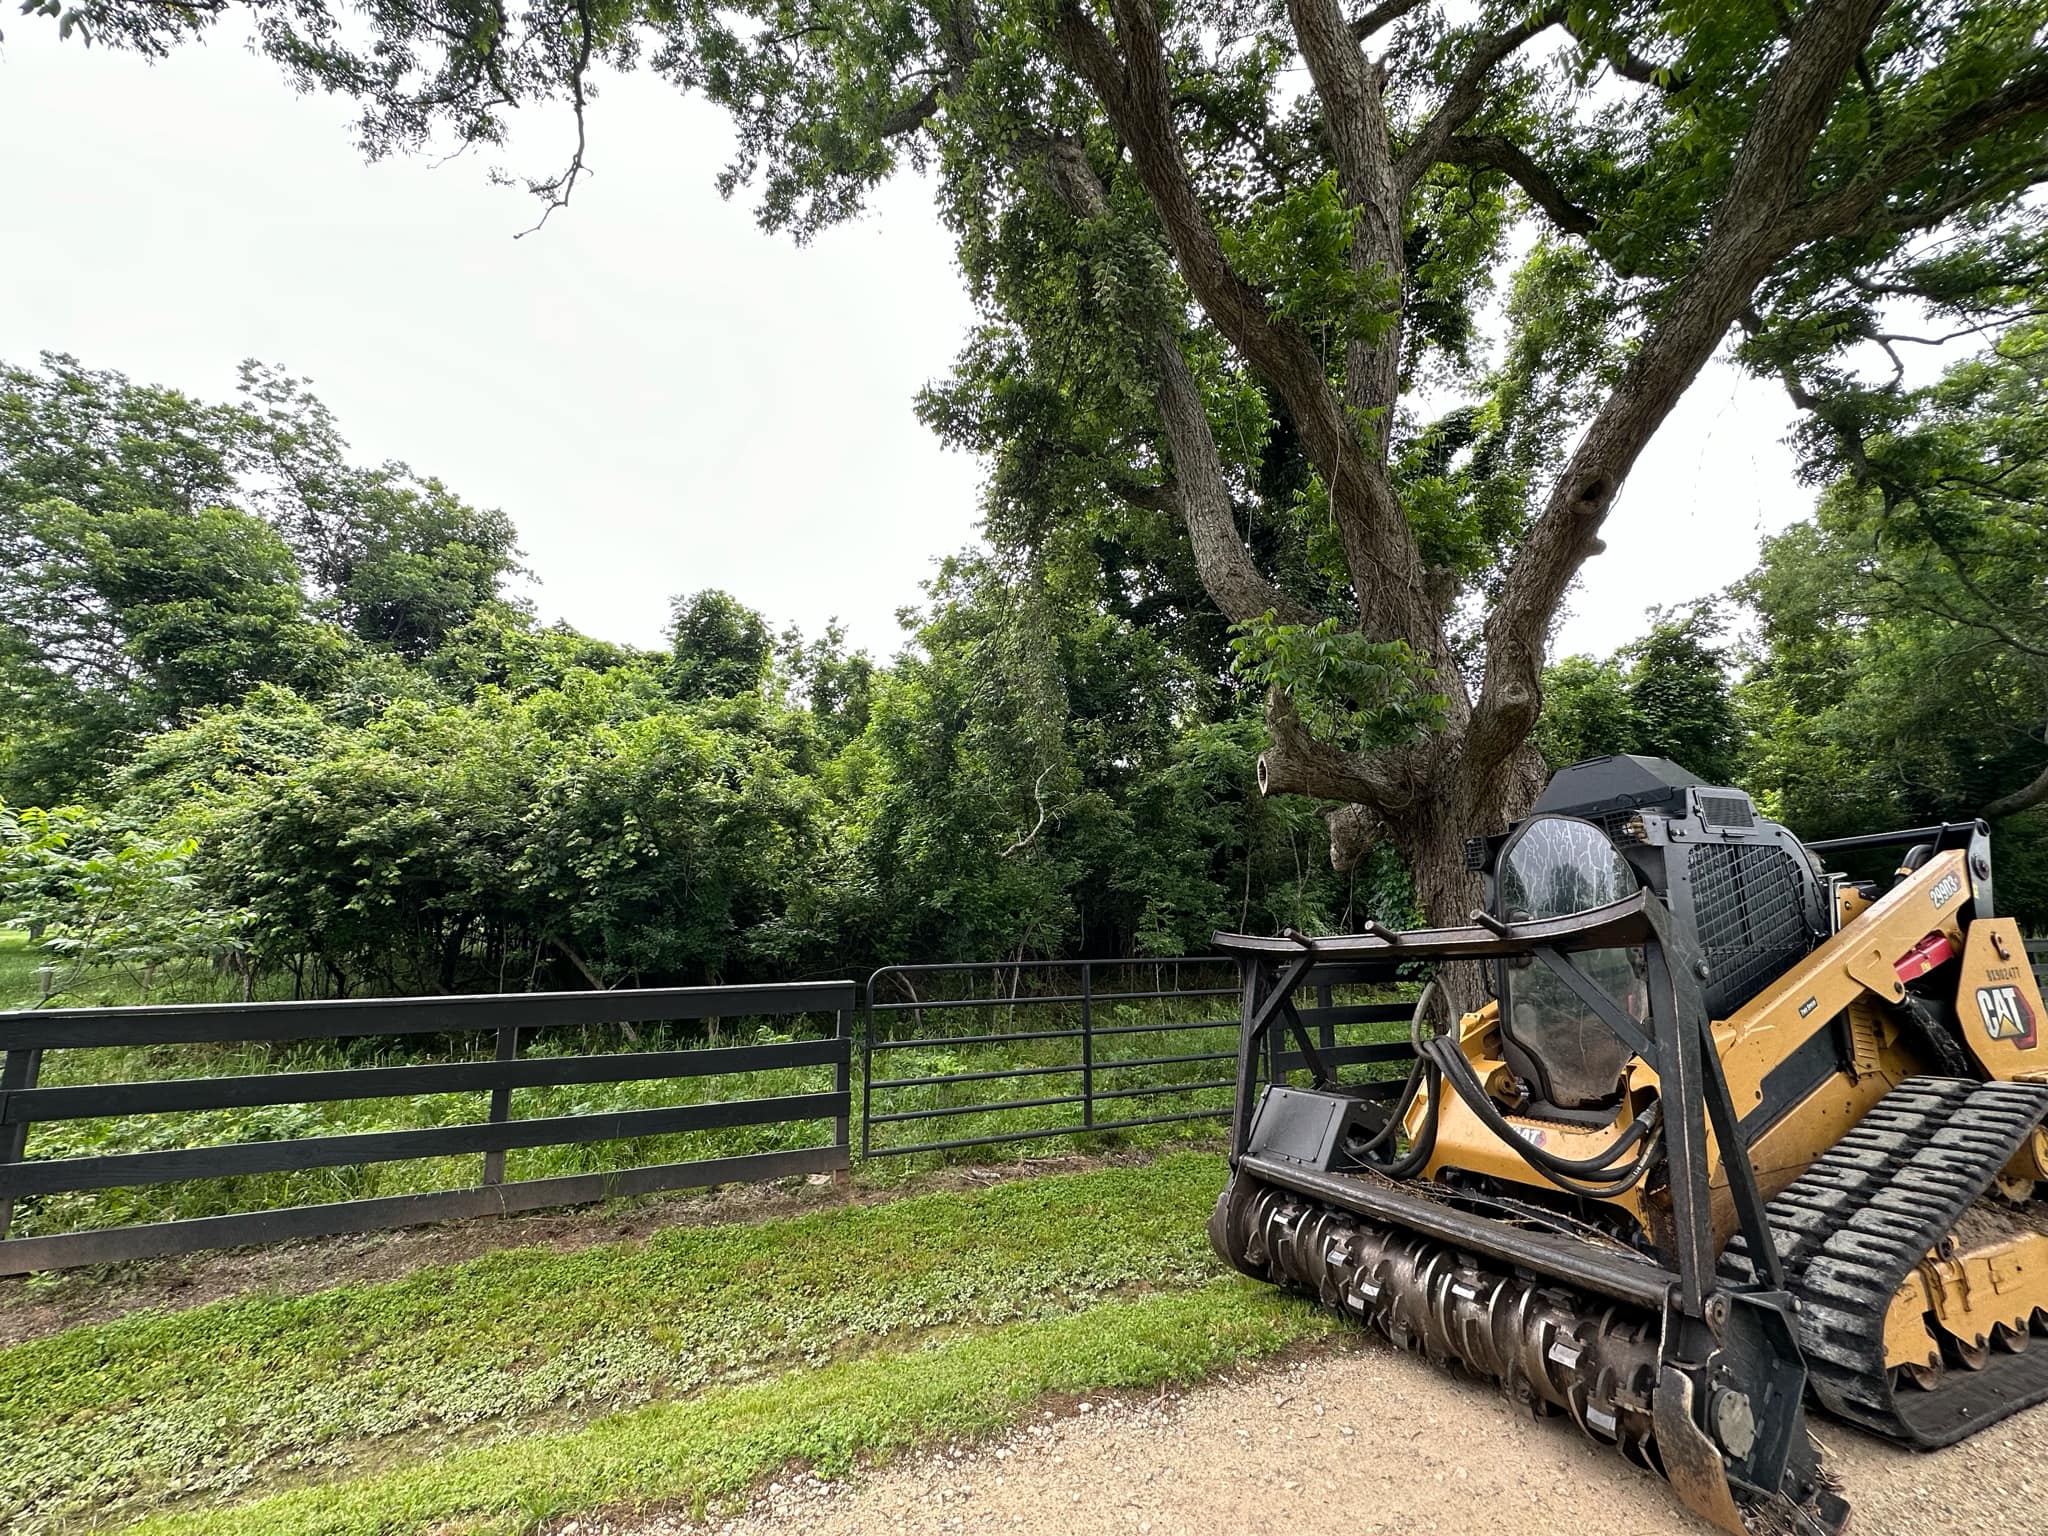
2007,1016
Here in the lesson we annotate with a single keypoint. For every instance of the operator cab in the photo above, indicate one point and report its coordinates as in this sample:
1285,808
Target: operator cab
1744,896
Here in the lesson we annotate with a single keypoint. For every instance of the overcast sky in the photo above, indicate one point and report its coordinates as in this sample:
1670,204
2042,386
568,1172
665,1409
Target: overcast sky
659,395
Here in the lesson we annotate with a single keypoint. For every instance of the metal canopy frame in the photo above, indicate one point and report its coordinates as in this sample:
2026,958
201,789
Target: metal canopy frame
1677,1044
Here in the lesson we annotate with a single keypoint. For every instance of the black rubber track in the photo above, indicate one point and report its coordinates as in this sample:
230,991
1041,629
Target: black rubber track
1853,1226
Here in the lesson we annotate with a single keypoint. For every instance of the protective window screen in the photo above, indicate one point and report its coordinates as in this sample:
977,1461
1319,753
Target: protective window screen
1557,866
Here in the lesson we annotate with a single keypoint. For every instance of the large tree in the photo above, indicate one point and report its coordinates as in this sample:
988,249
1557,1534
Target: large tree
1234,261
160,555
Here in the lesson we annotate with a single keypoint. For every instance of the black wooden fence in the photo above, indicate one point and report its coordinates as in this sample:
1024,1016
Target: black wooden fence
1084,1034
1087,1015
508,1021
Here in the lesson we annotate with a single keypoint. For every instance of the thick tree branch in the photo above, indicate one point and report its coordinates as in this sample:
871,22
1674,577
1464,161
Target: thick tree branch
1630,65
1297,764
1354,829
1466,96
1503,155
1379,546
1858,205
2022,799
1355,123
915,115
1748,235
1382,16
1200,491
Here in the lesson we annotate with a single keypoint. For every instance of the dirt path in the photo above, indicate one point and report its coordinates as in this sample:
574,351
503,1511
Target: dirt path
1366,1441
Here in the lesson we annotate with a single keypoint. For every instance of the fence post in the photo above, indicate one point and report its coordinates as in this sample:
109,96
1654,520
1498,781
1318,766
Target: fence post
842,1084
501,1102
17,1074
867,1068
1328,1031
1088,1045
1276,1045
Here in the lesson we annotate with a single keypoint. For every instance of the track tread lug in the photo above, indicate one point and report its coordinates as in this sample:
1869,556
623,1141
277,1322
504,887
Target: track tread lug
1852,1227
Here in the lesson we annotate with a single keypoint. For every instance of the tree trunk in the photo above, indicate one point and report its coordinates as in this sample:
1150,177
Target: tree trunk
1431,841
1429,832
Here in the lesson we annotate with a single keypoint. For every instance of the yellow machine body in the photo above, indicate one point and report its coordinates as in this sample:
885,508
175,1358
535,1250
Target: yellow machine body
1983,1287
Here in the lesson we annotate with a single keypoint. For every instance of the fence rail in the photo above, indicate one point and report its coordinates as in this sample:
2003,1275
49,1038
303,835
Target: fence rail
1070,1010
508,1022
1093,1034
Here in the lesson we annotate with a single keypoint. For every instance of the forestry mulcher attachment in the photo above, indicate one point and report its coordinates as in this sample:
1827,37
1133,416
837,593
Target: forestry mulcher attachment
1732,1131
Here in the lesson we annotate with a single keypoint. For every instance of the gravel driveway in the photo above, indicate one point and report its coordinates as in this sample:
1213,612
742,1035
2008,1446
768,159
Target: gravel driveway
1363,1442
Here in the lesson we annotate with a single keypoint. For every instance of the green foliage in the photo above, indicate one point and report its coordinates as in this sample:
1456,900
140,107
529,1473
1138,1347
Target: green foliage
591,827
502,647
1429,261
1587,712
163,556
400,559
1297,247
1678,691
721,647
1900,675
95,898
1665,695
822,677
1348,690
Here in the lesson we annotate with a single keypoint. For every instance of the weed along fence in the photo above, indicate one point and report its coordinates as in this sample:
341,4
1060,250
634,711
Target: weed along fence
667,1097
975,1055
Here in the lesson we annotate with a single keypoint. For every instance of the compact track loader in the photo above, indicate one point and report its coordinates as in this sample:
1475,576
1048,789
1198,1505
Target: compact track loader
1734,1133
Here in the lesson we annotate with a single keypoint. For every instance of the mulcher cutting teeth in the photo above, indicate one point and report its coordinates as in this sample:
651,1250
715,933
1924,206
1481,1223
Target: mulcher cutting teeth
1554,1351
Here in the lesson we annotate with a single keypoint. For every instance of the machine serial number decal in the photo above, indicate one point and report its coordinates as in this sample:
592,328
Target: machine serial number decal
2007,1016
1945,889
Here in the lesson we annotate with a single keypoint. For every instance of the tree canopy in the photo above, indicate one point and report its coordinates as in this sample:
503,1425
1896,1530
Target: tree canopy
1903,667
1241,266
163,556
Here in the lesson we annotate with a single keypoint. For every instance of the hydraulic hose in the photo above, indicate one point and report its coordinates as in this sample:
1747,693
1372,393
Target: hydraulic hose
1577,1176
1425,1074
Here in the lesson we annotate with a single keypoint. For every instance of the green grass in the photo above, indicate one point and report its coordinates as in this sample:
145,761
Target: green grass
125,1415
193,983
18,965
698,1452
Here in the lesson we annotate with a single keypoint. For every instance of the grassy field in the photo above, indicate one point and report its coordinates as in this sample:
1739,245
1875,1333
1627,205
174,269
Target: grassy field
493,1394
20,987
